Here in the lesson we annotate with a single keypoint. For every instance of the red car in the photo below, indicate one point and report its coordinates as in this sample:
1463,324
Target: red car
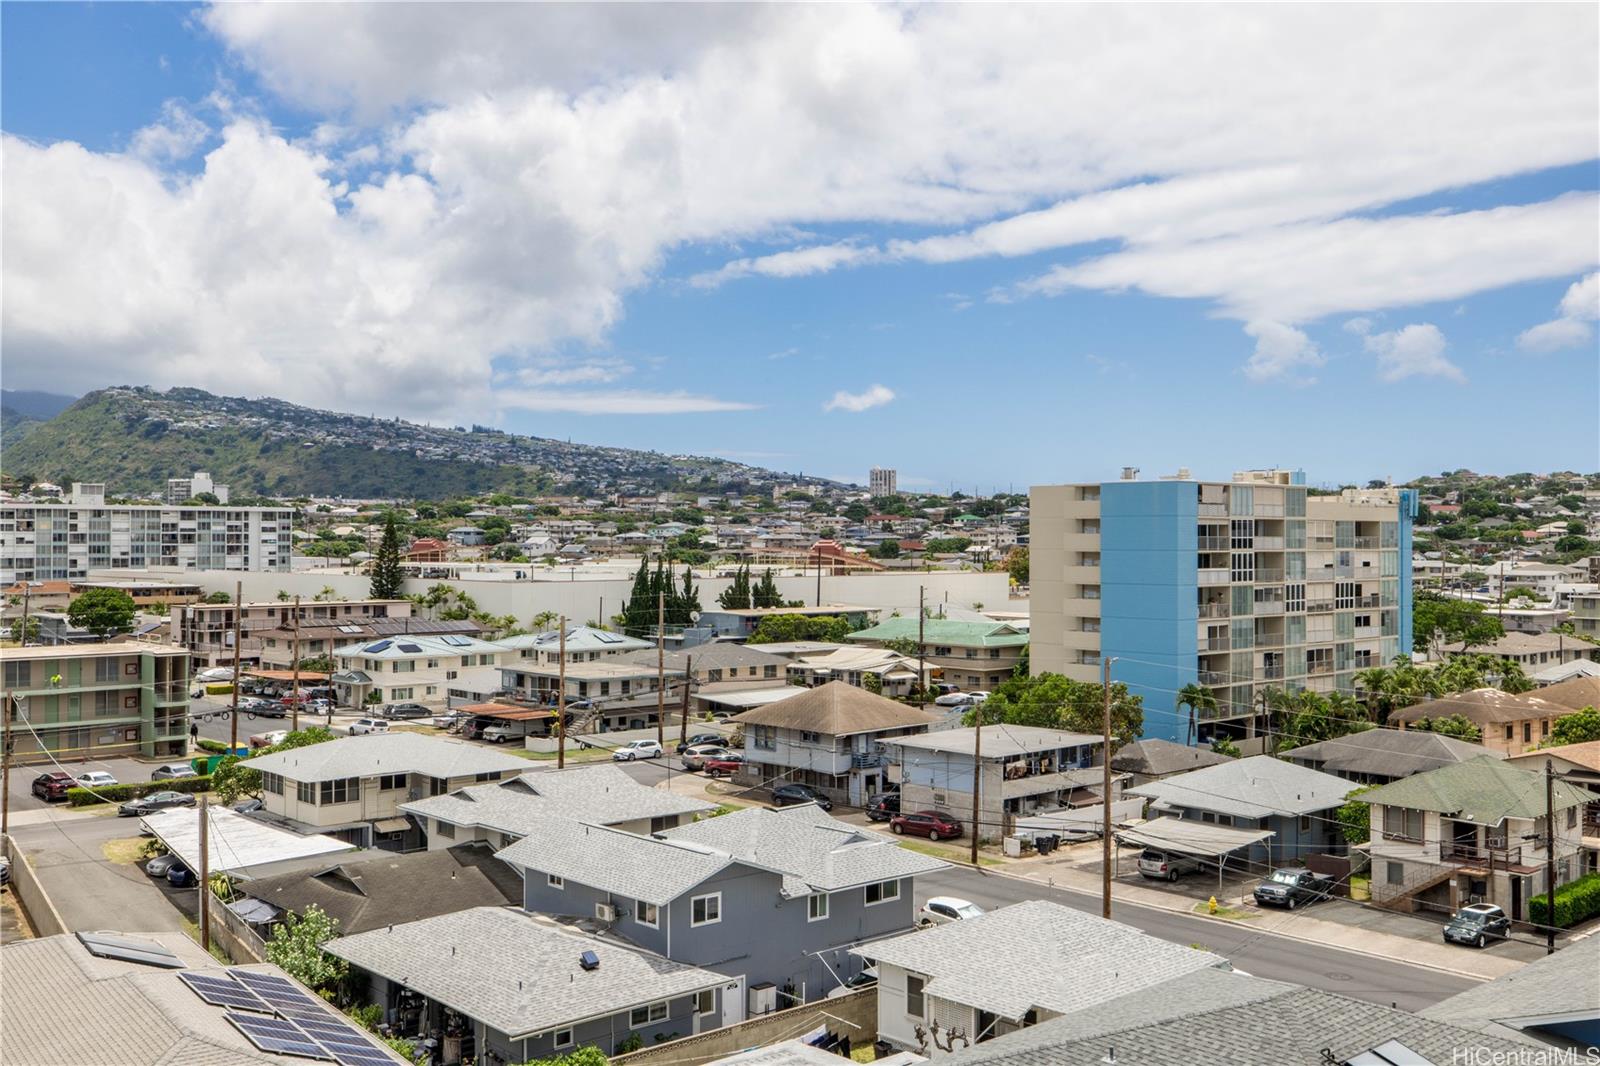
930,824
728,764
53,785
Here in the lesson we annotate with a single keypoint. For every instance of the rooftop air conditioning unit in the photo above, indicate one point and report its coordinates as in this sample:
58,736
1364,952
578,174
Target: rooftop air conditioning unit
606,912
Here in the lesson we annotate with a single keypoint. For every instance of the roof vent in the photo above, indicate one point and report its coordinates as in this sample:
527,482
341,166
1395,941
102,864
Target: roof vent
589,960
1130,473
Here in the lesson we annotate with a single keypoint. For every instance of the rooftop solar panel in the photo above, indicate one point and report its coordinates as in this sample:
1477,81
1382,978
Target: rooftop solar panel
411,649
285,996
222,992
129,949
277,1035
381,645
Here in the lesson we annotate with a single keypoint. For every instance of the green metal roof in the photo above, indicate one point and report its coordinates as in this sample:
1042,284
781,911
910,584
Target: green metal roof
1484,790
945,631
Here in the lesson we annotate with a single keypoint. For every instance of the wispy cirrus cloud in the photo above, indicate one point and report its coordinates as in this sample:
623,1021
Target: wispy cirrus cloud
856,402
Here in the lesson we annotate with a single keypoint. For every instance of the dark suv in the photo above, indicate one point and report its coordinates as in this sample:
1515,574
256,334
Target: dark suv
884,806
53,786
784,795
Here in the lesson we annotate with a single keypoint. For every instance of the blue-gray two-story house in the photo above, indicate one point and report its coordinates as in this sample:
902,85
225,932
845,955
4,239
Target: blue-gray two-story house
775,899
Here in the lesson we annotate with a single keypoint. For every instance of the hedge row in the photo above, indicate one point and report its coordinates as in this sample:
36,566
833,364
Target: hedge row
215,747
82,797
224,688
1575,901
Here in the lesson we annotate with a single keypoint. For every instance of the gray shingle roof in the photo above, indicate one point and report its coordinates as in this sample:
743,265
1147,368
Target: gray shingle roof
629,865
1563,983
601,794
1388,752
1271,785
1158,758
815,853
386,753
999,741
1037,954
518,973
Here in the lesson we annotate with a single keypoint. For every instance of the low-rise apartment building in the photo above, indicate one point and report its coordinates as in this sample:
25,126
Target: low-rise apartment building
1510,722
408,667
206,629
971,655
584,644
93,701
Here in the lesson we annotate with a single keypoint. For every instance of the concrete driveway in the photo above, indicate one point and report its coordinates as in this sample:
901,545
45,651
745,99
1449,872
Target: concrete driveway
89,890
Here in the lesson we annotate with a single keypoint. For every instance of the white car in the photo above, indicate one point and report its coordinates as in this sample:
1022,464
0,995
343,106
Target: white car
953,699
637,749
368,725
96,779
941,909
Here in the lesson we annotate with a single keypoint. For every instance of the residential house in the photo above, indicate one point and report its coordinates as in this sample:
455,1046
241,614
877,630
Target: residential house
971,655
890,672
408,668
428,550
113,997
1573,694
508,810
275,648
96,701
1554,1000
1586,614
721,666
1580,764
1293,804
506,986
831,737
206,629
618,695
1025,770
1509,722
352,788
1531,651
584,644
772,898
1154,759
739,623
467,536
1556,673
1471,831
147,594
1378,756
1011,968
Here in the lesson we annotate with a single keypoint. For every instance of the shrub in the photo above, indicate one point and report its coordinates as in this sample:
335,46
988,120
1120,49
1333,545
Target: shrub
215,747
1575,901
224,688
82,797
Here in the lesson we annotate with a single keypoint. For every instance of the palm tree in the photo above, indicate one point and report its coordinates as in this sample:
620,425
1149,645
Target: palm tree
1371,682
1199,700
544,620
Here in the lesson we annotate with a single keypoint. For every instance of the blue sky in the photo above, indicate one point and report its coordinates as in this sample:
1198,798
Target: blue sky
821,240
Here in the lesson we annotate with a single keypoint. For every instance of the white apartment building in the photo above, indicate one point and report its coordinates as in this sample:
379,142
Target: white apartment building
882,481
64,541
1242,587
183,488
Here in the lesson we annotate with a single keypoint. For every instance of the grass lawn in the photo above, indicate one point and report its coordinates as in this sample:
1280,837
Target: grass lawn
1231,913
127,851
574,754
949,854
1361,888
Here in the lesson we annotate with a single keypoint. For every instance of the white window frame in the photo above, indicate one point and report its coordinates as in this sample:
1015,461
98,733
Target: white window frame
556,882
559,1043
884,895
693,924
811,907
649,1010
921,994
638,906
711,1000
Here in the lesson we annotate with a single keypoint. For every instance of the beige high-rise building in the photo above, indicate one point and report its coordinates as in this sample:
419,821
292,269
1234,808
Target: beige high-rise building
1241,586
882,481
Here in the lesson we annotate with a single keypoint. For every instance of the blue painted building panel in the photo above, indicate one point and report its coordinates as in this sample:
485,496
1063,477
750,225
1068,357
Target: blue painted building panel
1148,581
1408,513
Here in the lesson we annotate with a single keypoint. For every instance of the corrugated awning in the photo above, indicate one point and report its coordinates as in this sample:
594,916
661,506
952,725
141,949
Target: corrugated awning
1191,838
287,675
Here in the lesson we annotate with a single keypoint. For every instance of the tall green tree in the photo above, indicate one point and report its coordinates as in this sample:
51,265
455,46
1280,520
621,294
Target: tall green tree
1199,700
1355,817
766,593
1053,701
387,577
1454,725
1576,728
684,604
296,948
102,611
640,612
1438,620
737,595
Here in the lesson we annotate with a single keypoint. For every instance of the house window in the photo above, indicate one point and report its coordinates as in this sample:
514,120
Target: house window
641,1016
817,907
763,738
555,882
444,829
663,823
882,892
438,786
1527,732
808,737
391,782
493,775
705,910
1402,824
344,790
1305,823
769,671
272,783
1572,817
705,1001
914,1000
1544,728
646,914
562,1038
1509,732
1396,874
305,792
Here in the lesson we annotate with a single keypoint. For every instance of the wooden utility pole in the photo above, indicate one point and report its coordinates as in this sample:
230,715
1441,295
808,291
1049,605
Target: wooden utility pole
26,595
238,615
205,877
977,774
561,696
1550,856
10,701
295,666
1105,786
661,667
922,650
688,686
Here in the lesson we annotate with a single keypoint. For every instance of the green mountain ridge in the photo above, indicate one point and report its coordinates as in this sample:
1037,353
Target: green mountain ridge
134,438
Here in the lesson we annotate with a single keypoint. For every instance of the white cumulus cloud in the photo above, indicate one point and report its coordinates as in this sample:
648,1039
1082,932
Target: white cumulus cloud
1414,351
1282,352
873,396
1579,307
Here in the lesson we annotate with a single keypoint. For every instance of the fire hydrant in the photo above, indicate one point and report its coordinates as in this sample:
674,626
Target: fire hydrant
1213,904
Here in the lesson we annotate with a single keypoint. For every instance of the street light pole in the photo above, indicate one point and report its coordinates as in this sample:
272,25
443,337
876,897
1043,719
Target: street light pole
1105,793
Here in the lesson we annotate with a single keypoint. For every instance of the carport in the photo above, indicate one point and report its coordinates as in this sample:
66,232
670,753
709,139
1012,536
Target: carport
237,843
487,714
1202,840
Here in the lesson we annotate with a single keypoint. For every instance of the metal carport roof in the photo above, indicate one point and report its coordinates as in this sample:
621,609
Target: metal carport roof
1203,839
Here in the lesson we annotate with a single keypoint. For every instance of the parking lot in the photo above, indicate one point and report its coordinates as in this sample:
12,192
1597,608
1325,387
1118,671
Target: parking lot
126,771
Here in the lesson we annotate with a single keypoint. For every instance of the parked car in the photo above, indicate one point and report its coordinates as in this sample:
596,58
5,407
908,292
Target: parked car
952,699
637,749
500,733
96,779
884,806
53,785
396,711
731,763
158,866
1166,866
865,979
943,688
941,909
701,738
1476,923
172,771
1292,887
267,740
784,795
156,801
215,674
320,705
369,725
249,806
264,708
695,756
180,876
930,824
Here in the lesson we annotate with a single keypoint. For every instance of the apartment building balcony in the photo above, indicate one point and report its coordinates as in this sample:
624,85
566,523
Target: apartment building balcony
1212,544
1472,855
868,760
1319,606
1213,644
1365,632
1269,607
1268,574
172,692
1223,610
1269,673
1366,542
1269,544
1319,669
1369,601
1212,577
1213,510
1215,678
1269,640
